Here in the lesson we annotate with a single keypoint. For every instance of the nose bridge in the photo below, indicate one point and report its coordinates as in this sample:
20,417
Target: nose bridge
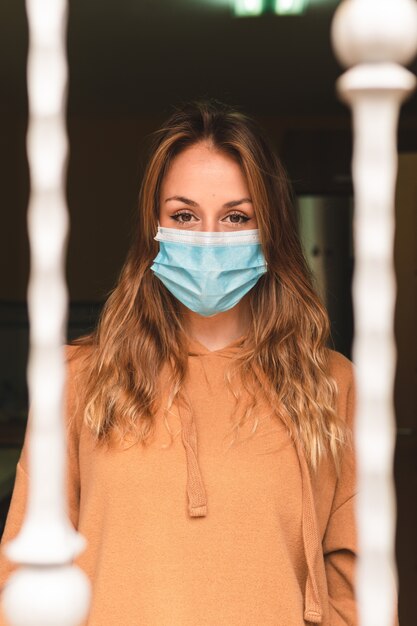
210,223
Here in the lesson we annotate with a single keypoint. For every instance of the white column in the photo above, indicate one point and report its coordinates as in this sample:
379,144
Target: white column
47,590
373,37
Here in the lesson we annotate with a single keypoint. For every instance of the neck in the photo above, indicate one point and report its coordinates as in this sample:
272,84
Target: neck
219,330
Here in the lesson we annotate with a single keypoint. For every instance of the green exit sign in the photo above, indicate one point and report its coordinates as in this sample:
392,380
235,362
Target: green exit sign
290,7
280,7
249,7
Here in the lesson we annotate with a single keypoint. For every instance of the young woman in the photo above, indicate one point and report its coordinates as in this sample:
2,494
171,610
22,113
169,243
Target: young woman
210,458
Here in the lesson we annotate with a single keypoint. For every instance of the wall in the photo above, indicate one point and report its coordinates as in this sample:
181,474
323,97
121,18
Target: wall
406,384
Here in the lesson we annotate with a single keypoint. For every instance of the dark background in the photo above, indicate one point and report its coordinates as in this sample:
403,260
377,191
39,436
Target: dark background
130,62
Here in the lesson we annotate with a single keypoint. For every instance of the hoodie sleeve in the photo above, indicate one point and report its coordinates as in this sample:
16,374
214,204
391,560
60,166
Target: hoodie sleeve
340,538
17,508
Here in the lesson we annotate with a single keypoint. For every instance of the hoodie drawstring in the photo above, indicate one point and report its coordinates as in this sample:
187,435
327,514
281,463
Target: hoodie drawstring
197,507
313,611
197,498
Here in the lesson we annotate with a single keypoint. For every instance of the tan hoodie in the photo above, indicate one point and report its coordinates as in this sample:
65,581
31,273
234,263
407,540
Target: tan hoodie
197,534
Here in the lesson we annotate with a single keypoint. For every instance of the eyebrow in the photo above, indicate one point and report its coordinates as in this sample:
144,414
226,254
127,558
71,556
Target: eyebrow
228,205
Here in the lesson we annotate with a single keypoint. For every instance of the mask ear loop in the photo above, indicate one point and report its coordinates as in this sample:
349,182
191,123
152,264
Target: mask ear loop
157,229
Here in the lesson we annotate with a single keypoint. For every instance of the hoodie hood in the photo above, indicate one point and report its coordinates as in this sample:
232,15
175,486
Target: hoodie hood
197,497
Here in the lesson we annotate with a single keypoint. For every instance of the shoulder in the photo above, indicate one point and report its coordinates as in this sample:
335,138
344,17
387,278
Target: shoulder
343,371
74,351
77,356
78,365
341,368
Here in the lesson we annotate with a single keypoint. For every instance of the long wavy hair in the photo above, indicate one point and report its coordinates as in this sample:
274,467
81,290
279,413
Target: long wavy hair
141,328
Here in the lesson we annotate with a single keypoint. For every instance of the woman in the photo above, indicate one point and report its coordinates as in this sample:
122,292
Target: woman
211,466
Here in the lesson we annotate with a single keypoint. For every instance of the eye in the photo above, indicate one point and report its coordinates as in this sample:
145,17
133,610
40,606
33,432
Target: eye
182,217
238,218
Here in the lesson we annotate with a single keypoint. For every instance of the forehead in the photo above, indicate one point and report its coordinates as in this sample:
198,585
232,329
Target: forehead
201,165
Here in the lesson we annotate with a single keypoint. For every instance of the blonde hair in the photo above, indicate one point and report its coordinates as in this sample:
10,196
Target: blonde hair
141,328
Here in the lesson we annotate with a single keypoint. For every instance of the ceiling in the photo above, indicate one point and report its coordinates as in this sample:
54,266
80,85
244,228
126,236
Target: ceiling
135,57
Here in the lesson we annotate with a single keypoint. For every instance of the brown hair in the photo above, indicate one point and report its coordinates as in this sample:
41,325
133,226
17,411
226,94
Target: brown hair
141,327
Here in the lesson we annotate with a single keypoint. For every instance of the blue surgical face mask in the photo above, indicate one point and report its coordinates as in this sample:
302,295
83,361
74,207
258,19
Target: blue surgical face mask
209,272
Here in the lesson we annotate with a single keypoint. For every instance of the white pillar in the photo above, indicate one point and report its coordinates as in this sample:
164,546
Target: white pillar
374,37
47,590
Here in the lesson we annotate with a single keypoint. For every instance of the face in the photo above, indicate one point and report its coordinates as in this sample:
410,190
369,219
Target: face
205,190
